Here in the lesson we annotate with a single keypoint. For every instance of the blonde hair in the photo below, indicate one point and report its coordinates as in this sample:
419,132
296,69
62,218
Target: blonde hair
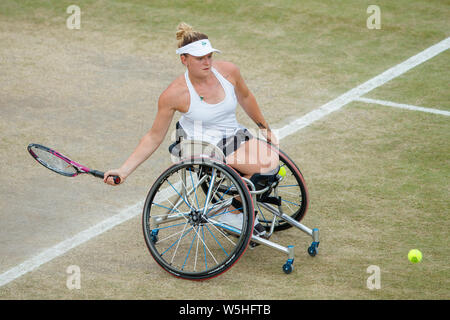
186,34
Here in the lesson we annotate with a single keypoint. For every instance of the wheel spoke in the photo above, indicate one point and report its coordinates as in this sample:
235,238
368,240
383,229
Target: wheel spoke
178,194
195,188
189,251
179,241
217,240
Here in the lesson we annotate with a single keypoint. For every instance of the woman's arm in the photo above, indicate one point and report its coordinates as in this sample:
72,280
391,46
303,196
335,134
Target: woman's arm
248,102
149,142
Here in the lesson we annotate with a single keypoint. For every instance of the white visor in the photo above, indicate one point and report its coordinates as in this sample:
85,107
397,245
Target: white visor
198,48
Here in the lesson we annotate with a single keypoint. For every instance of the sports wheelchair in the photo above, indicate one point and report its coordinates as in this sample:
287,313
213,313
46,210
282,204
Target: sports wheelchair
181,218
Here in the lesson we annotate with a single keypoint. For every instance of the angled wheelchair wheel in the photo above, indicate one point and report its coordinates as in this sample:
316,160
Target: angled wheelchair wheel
187,228
293,192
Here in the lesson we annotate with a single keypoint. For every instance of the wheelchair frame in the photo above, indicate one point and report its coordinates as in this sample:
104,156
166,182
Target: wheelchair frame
209,152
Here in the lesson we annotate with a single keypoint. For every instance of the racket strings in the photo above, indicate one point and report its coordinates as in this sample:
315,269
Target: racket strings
53,162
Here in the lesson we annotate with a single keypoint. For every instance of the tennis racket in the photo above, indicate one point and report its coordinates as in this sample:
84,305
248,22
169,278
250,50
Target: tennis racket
58,163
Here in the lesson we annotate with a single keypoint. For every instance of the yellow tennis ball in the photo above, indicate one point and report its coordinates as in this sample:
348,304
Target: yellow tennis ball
282,171
414,256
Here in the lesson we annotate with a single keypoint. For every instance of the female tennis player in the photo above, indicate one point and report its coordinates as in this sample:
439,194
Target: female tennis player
207,95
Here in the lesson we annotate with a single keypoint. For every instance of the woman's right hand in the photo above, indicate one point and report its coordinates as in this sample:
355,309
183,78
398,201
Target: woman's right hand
108,177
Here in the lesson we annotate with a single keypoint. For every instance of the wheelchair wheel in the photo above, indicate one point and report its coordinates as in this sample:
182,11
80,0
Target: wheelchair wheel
294,196
182,223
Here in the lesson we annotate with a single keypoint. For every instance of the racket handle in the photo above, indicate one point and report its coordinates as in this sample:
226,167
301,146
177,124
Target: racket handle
116,179
100,174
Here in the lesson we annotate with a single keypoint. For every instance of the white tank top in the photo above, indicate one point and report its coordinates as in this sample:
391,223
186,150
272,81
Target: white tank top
210,122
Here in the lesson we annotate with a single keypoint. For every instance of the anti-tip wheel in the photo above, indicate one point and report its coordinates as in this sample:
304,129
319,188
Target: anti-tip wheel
288,267
313,249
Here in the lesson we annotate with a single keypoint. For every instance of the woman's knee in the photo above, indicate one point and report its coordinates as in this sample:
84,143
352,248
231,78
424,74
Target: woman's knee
268,161
254,156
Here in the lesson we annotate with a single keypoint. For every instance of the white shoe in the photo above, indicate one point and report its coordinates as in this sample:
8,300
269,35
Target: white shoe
232,219
235,220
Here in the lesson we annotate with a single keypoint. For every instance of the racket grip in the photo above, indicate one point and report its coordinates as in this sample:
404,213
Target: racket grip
100,174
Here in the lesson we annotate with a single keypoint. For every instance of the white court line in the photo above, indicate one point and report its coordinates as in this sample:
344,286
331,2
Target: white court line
68,244
403,106
364,88
134,210
80,238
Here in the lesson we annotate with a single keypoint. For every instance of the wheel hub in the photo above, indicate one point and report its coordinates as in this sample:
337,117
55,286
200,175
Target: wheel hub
196,218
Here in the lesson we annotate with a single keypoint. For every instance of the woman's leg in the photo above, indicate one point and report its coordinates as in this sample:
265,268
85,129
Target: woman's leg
253,156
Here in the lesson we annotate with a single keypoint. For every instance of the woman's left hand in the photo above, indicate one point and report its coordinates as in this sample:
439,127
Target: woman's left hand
271,137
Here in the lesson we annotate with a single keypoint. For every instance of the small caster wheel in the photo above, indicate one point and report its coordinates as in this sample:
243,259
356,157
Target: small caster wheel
313,249
288,267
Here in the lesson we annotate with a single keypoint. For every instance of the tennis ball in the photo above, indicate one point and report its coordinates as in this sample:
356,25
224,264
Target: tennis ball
414,256
282,171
